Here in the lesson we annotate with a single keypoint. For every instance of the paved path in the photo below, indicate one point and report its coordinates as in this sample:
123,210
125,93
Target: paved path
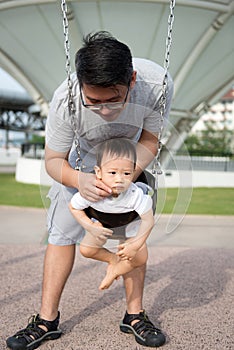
188,290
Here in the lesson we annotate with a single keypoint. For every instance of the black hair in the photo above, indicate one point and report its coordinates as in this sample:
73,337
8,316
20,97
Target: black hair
103,61
116,147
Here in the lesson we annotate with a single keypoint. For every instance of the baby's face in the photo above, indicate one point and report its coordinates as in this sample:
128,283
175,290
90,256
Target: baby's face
117,173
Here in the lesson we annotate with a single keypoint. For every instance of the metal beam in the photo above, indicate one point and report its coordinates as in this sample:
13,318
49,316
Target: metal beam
176,139
205,5
178,113
19,120
221,91
8,4
204,41
13,69
204,106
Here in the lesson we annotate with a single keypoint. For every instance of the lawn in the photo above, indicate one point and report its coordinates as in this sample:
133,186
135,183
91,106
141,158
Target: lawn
213,201
19,194
210,201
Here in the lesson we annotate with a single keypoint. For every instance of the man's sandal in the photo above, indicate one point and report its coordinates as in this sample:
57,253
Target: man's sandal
33,335
144,330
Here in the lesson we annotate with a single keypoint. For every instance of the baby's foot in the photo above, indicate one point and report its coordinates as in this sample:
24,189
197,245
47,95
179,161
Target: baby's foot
111,275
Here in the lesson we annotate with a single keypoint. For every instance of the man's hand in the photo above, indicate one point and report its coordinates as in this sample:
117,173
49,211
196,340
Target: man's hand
92,188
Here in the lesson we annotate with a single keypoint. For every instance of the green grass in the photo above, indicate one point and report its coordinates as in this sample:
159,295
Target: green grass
202,200
19,194
213,201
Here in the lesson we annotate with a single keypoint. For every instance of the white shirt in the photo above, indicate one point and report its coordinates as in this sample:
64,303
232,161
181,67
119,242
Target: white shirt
132,199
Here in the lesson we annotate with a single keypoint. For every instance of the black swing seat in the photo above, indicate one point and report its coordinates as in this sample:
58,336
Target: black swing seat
118,222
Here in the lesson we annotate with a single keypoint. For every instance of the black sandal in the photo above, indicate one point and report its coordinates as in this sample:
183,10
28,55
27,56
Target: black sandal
33,335
144,330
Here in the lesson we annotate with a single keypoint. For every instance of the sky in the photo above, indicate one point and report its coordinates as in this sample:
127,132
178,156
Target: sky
8,83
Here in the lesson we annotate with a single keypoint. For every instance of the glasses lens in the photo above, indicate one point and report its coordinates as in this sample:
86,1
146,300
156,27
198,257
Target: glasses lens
113,106
110,106
93,107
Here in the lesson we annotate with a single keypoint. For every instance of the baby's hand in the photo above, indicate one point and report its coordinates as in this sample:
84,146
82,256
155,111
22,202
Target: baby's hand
98,231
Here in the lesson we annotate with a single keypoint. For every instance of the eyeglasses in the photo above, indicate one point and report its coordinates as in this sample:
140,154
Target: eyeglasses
110,105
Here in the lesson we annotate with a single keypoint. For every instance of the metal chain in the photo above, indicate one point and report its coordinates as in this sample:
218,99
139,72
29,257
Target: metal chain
71,105
162,103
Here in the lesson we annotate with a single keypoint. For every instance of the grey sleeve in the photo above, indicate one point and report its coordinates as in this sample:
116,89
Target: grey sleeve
59,133
152,121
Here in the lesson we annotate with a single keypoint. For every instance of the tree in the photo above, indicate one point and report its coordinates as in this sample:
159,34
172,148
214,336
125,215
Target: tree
210,141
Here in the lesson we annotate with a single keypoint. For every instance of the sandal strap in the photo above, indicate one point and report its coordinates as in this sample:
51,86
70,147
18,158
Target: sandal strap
29,334
33,331
144,326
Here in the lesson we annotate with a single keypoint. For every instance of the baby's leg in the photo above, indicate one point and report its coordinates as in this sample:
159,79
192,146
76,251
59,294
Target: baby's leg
92,248
120,267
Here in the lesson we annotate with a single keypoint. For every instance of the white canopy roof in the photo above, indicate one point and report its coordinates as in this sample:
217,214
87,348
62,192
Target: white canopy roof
202,53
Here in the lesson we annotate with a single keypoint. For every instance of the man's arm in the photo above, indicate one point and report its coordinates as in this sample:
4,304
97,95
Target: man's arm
60,170
148,140
147,148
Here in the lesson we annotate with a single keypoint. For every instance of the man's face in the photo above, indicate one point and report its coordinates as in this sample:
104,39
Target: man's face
109,100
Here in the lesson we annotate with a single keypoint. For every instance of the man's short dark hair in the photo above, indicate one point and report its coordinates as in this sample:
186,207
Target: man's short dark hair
103,61
117,147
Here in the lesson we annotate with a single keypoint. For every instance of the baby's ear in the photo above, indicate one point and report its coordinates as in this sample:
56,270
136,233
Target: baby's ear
98,172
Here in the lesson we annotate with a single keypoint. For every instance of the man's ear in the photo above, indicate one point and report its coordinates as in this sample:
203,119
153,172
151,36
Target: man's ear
133,79
98,172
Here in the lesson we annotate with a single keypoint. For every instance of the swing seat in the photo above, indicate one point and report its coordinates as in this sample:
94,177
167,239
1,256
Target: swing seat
118,222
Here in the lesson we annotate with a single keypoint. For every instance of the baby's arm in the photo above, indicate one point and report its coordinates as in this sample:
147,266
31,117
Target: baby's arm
95,228
128,249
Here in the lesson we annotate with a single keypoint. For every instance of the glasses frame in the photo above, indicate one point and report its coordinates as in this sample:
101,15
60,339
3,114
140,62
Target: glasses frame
109,105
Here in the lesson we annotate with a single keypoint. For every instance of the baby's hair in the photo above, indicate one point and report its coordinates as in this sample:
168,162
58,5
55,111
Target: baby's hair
118,147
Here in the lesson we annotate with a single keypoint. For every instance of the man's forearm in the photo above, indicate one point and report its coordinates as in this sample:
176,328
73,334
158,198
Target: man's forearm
60,170
147,148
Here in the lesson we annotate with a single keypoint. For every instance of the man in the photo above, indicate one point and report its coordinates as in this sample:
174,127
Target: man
114,96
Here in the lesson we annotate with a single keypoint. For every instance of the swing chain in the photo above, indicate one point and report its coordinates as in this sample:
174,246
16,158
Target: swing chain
156,169
71,105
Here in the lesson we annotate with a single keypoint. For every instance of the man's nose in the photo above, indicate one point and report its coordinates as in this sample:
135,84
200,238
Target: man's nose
105,111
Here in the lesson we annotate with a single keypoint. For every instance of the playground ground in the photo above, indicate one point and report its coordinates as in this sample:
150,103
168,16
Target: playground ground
188,289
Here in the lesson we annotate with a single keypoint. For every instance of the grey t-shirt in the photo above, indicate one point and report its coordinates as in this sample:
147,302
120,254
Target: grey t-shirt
142,112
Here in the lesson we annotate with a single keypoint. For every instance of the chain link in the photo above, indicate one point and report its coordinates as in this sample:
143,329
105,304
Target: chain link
71,105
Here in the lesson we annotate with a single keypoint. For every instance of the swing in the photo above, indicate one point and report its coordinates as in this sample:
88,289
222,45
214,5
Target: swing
118,222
